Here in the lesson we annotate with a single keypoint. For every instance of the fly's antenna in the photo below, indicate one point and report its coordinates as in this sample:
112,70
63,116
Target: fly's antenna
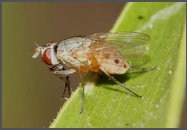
37,44
35,48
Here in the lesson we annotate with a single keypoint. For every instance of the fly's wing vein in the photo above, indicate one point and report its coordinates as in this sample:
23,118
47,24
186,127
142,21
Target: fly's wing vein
129,44
111,49
107,57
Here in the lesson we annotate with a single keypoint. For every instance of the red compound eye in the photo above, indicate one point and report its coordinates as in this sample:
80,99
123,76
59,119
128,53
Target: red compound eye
47,56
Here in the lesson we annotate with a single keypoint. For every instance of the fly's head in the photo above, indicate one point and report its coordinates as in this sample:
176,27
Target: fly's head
48,53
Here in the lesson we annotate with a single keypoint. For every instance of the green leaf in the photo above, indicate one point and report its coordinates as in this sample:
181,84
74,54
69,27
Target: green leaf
163,90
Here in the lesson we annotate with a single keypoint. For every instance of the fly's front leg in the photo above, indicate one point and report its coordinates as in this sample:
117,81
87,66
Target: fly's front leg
58,71
67,86
58,68
67,82
64,72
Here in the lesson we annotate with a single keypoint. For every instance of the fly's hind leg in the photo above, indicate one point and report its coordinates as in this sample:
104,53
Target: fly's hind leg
83,95
145,69
116,81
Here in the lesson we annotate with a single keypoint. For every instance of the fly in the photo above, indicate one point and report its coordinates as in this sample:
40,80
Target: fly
105,52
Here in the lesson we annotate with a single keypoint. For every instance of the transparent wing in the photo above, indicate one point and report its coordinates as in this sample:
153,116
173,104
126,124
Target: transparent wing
129,44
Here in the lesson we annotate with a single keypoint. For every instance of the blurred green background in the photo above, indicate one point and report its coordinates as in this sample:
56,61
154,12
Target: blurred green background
31,94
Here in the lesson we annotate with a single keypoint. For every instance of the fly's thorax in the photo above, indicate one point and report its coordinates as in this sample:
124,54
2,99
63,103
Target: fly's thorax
67,50
65,58
73,44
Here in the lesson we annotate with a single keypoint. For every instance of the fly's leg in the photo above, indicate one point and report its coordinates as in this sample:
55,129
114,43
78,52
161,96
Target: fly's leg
67,82
112,78
63,95
58,68
83,95
64,72
58,71
145,69
67,85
